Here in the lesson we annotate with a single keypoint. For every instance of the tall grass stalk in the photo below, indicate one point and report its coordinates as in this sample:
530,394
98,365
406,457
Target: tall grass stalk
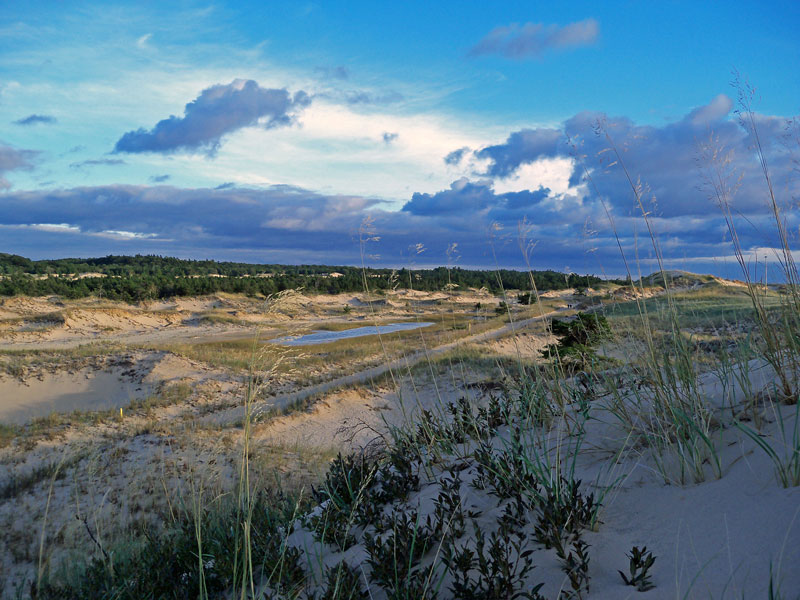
680,421
40,571
243,574
197,514
780,333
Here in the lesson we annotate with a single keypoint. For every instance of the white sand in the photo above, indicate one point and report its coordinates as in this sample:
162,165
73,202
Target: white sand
84,390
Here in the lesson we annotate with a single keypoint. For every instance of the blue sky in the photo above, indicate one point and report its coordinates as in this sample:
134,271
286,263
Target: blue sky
273,131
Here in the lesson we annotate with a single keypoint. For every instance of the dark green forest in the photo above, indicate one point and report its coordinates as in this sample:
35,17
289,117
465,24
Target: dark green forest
136,278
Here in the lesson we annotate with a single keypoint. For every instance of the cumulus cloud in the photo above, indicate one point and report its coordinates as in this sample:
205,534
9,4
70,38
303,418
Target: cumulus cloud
532,40
463,197
467,198
521,147
469,210
36,120
664,158
719,108
569,221
217,111
14,159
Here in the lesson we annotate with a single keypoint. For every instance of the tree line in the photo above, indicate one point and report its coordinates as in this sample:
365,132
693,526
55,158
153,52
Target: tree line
137,278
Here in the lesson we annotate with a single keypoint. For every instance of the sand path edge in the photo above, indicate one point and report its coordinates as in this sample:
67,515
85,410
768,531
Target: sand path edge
280,402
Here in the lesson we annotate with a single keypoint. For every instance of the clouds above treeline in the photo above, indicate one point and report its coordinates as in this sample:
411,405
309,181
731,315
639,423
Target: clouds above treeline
218,110
501,186
532,40
173,220
290,225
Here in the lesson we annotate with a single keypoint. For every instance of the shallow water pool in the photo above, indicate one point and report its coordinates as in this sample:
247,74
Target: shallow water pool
325,337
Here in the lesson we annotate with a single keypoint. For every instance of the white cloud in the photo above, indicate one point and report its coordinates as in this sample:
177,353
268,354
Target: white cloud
128,235
553,173
59,227
340,150
142,41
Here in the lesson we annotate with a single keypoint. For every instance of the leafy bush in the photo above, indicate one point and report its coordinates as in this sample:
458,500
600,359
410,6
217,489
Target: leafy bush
395,553
578,337
343,582
496,569
639,569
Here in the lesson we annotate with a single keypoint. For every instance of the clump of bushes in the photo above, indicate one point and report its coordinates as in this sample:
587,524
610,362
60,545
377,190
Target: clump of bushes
578,338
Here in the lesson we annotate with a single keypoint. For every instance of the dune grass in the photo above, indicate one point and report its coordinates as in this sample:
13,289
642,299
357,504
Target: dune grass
518,453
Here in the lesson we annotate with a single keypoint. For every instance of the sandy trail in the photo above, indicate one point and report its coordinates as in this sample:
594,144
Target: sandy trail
404,363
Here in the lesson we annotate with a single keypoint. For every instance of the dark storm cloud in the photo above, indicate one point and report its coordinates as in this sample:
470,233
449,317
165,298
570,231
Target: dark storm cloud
36,120
532,40
217,111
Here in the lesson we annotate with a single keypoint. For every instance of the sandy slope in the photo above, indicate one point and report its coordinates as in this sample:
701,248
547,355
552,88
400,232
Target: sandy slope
50,323
718,538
